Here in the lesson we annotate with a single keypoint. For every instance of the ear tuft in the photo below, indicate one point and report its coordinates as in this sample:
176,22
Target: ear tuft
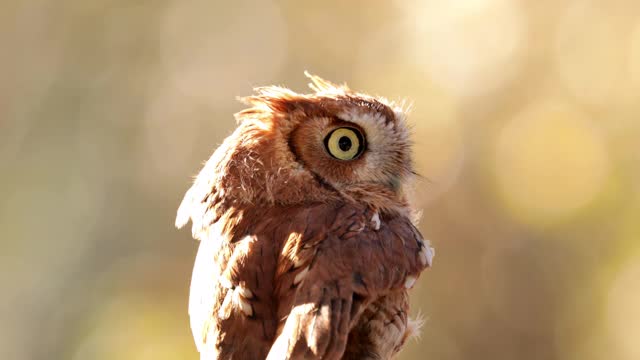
320,85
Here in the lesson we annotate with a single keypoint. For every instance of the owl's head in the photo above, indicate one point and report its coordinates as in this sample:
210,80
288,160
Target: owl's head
333,144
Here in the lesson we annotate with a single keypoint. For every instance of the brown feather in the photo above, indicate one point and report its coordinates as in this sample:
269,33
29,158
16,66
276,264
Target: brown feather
303,255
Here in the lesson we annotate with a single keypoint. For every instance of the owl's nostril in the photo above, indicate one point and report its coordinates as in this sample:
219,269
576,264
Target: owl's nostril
344,143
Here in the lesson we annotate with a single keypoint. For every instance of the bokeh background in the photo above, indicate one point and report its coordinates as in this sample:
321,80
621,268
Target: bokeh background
527,131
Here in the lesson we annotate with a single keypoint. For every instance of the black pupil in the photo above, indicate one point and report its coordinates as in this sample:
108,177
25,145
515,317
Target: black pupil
344,143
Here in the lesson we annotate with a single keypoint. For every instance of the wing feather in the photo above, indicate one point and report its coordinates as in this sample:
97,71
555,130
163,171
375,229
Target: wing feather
358,261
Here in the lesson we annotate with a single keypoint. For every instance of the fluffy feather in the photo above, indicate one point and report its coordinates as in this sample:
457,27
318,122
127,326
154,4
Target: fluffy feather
303,255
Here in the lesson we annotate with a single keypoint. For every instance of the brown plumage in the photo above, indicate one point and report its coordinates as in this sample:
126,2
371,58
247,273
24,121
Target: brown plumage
307,245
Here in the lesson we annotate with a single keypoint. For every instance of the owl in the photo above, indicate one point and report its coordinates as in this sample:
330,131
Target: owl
307,244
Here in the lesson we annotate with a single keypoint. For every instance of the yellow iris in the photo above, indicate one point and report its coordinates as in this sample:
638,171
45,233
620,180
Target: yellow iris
344,143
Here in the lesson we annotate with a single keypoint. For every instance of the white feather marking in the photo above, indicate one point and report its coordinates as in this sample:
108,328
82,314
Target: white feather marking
375,219
243,304
225,282
409,281
225,310
246,293
426,255
414,326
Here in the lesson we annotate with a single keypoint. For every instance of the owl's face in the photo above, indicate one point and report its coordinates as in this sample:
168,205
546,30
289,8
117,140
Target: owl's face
293,148
351,140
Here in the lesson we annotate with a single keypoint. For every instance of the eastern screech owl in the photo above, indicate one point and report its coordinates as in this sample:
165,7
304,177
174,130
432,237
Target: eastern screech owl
307,247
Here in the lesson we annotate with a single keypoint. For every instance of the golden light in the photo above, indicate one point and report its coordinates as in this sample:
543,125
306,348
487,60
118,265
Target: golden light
549,162
579,331
438,147
202,69
170,126
469,47
217,60
634,60
595,346
435,126
590,54
624,311
130,327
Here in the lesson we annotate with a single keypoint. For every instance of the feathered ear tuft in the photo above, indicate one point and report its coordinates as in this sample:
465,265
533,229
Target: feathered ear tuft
322,86
268,100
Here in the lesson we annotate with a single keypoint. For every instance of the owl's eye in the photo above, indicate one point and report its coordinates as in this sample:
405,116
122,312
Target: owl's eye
344,143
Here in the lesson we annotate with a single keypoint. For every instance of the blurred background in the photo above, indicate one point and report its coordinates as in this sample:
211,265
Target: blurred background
526,124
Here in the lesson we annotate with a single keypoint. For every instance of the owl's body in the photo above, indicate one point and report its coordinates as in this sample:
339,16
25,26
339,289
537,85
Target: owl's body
307,245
